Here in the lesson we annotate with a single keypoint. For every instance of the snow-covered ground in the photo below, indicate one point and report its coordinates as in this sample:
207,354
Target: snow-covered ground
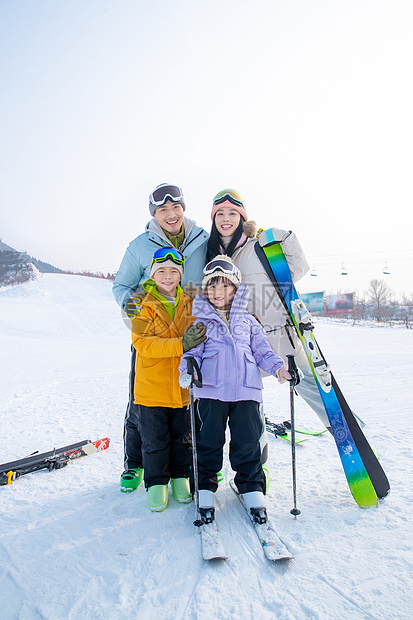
73,547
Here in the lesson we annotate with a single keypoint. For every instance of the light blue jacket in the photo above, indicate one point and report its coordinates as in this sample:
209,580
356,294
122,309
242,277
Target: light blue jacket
136,264
232,354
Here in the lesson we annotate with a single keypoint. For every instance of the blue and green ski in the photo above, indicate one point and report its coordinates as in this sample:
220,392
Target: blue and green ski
365,476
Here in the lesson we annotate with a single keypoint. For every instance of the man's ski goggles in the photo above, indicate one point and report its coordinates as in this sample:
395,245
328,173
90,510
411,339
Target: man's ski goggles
159,195
172,254
220,264
228,194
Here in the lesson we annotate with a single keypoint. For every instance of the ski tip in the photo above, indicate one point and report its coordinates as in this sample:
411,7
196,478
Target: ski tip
101,444
211,558
212,545
96,446
383,494
284,557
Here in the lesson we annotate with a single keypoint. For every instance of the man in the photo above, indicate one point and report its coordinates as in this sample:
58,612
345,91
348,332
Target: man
168,228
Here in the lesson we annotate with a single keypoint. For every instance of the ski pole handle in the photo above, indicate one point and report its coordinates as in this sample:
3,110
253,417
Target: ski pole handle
191,365
293,370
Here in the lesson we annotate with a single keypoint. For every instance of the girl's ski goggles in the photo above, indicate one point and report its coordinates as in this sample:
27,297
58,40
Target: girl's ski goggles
172,254
159,196
220,264
228,194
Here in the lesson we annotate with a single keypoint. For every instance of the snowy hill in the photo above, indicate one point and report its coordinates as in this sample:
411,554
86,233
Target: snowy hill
4,246
73,546
18,267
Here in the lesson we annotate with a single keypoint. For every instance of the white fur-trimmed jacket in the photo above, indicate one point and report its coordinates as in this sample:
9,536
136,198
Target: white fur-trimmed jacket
264,301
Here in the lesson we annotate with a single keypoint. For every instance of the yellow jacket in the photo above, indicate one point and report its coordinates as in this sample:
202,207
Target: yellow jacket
158,343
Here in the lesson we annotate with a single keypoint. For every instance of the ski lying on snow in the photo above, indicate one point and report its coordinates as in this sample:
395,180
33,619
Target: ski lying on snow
274,549
304,431
279,430
282,430
55,459
212,545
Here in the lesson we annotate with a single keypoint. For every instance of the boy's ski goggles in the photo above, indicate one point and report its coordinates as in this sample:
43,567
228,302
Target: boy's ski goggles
172,254
159,196
220,264
228,194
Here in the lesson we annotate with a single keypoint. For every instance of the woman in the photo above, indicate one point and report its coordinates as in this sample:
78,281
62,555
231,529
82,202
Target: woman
232,234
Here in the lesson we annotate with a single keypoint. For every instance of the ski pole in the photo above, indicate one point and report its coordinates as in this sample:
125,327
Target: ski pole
295,380
192,365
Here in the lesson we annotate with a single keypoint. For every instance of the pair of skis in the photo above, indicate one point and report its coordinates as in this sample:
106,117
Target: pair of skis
365,475
213,547
55,459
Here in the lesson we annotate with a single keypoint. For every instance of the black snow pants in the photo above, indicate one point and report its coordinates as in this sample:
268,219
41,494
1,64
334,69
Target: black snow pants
132,443
246,427
166,443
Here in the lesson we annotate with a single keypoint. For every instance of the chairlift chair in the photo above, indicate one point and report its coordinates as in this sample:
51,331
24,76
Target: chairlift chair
386,270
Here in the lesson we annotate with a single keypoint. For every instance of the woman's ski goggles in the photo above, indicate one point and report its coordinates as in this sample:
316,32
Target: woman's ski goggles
172,254
220,264
160,194
228,194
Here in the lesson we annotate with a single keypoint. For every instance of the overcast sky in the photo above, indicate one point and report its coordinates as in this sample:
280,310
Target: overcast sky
304,106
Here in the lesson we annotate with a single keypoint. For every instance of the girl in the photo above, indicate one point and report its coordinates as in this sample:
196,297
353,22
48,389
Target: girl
230,357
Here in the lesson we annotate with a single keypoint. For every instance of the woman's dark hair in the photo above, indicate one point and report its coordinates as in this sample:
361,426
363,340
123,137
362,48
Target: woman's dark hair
214,241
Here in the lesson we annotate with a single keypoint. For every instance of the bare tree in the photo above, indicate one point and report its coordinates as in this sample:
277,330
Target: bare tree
362,308
379,294
406,311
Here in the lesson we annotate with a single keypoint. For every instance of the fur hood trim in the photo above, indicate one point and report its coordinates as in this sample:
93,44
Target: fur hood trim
250,229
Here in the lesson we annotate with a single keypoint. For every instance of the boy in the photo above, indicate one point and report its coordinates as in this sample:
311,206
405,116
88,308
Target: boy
161,332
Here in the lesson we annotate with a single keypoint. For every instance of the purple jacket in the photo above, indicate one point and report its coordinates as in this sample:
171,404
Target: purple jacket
230,356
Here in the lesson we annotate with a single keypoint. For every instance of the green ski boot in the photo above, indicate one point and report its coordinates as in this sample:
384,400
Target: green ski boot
181,491
130,480
157,497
